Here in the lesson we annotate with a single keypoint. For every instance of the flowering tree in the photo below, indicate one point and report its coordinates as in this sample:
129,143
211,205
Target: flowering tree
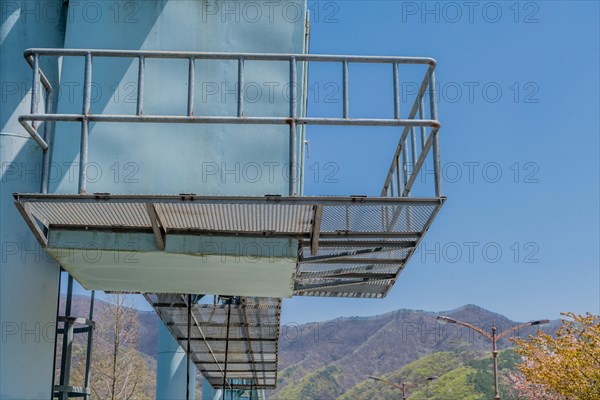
568,364
521,389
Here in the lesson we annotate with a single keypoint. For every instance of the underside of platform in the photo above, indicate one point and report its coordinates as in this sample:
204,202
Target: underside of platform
250,246
233,343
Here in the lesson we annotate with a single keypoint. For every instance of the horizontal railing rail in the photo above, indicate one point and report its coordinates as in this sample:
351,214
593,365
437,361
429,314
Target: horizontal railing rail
403,170
228,56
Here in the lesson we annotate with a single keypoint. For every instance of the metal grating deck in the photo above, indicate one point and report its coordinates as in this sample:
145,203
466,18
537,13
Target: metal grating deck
249,360
349,246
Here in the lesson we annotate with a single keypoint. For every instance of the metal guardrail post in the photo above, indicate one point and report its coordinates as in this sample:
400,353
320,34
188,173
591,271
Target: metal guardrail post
140,91
434,132
413,149
35,87
398,176
191,86
67,344
48,106
85,124
292,122
396,82
405,163
422,116
90,343
346,111
35,99
396,92
240,97
188,350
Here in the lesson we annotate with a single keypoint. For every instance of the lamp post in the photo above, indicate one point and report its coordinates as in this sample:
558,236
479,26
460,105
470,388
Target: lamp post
493,338
401,386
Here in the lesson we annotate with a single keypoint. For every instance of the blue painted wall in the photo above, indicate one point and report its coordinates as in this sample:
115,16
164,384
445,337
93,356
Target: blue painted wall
163,158
28,277
171,363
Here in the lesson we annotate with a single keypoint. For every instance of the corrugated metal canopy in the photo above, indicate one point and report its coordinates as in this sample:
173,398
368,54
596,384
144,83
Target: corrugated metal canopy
242,350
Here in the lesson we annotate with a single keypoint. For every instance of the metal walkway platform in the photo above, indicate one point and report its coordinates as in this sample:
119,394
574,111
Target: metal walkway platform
328,246
234,346
348,246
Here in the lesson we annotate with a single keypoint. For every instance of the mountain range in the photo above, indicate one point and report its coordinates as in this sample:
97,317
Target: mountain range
334,359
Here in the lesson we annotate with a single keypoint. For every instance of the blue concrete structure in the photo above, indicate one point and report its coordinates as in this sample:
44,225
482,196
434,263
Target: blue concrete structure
171,363
173,159
28,277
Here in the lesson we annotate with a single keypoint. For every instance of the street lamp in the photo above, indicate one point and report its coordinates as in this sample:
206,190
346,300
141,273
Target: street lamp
493,338
401,386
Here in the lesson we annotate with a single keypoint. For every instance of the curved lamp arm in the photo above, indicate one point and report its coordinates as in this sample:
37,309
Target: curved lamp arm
386,382
514,328
476,329
403,385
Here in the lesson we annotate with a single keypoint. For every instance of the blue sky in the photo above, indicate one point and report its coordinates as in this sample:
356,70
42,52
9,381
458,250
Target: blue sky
519,106
539,131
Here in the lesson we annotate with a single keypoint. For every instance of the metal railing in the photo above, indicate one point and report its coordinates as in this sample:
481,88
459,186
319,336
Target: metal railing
403,170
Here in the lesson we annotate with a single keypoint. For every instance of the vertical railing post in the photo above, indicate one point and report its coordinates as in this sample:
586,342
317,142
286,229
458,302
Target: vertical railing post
45,180
413,149
39,83
83,150
140,91
48,104
35,86
293,141
396,92
346,112
240,98
90,343
404,162
398,176
226,345
188,350
422,116
59,295
191,84
397,116
67,344
434,132
405,176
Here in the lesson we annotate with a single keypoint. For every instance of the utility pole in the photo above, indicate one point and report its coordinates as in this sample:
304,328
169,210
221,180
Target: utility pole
493,338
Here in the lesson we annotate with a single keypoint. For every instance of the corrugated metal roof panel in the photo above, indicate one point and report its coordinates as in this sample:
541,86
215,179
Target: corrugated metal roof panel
251,351
116,214
237,217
